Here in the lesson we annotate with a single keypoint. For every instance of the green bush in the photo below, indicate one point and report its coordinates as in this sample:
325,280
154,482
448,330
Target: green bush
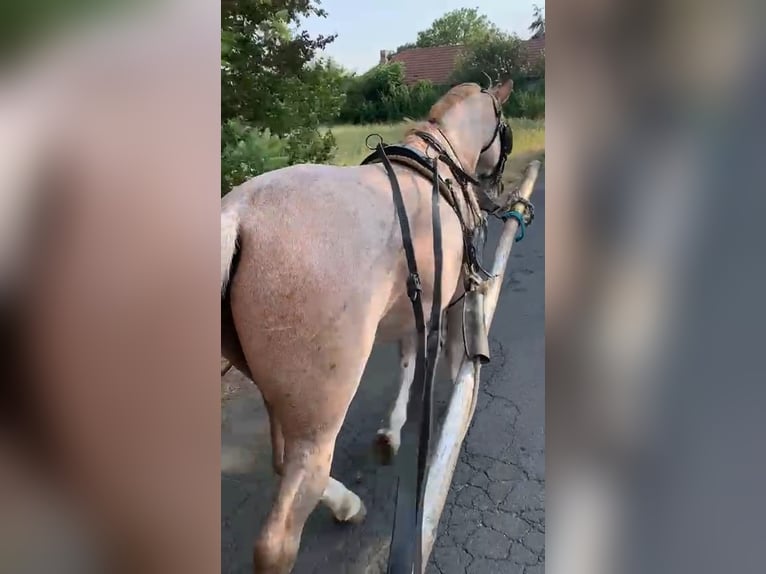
381,95
525,104
309,145
247,152
532,105
423,95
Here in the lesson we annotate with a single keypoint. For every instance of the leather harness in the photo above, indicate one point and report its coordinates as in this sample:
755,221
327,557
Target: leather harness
405,556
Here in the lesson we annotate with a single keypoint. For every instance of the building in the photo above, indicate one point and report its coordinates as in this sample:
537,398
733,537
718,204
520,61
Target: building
437,63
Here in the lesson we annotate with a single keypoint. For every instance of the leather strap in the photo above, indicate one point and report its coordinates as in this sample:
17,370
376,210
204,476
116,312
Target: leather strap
405,555
400,151
414,160
418,162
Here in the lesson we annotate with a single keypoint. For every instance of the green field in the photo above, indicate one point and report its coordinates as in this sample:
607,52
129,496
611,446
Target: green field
528,143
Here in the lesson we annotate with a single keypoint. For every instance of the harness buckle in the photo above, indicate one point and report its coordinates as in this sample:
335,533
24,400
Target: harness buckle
414,287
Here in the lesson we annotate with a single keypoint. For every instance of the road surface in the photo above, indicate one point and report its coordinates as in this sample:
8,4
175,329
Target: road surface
493,522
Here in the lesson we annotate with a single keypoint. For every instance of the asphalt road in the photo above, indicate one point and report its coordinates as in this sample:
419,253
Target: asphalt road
494,519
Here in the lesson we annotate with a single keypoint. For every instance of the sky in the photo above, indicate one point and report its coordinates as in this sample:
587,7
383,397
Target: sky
364,28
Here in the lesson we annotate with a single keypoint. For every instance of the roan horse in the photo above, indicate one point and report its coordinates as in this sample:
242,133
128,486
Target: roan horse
313,274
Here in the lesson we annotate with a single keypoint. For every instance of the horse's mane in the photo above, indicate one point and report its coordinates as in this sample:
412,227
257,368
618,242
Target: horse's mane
449,100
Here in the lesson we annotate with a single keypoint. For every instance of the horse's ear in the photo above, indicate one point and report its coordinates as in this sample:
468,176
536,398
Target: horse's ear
503,92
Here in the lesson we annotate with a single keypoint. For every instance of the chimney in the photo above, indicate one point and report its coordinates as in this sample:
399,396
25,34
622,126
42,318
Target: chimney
383,56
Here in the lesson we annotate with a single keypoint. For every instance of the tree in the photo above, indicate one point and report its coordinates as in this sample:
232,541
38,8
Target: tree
407,46
376,96
500,56
537,27
259,52
275,92
458,27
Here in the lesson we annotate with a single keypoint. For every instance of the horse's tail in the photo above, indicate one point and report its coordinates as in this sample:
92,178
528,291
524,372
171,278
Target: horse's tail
229,237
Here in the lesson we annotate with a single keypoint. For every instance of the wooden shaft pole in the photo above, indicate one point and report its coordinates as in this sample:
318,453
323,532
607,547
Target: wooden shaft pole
463,400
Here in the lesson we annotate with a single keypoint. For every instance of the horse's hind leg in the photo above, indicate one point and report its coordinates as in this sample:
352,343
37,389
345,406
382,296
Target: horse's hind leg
310,415
277,441
305,481
231,348
344,504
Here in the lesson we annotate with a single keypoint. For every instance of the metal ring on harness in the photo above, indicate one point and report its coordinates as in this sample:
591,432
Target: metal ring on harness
367,141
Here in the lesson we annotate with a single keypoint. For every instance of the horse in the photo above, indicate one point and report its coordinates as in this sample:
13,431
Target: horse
313,274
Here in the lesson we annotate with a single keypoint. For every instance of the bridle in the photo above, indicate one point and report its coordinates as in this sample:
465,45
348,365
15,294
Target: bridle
502,130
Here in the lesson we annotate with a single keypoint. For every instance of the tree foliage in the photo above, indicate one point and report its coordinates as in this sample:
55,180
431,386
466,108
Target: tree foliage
381,95
258,52
503,56
407,46
275,93
500,57
457,27
537,27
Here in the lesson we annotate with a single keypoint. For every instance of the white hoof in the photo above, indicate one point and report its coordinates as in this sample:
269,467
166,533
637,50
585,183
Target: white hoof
346,506
352,513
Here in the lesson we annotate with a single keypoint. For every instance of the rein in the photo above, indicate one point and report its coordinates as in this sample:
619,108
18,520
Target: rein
408,517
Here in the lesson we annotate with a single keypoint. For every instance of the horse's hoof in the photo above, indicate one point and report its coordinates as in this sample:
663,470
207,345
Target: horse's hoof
384,447
357,518
360,515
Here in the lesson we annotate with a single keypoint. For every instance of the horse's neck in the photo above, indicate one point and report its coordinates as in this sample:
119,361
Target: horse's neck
462,142
463,145
457,135
464,199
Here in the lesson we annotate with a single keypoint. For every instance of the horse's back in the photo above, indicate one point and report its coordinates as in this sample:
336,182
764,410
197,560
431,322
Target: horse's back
319,221
315,269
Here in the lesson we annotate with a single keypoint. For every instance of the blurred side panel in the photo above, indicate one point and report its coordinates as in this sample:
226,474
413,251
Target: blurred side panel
109,327
654,283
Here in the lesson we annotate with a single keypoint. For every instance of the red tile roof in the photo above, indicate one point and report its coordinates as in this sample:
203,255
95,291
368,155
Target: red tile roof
437,63
535,49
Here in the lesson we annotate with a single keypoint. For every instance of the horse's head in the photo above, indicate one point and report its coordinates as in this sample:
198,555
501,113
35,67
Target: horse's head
497,137
468,122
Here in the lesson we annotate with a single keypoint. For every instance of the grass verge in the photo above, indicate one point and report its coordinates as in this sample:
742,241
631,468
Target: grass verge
528,143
